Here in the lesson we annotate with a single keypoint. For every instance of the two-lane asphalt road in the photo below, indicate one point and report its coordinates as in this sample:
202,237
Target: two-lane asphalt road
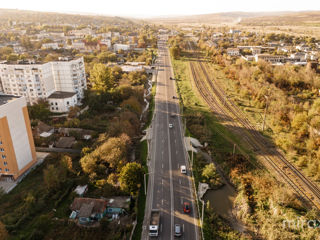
168,188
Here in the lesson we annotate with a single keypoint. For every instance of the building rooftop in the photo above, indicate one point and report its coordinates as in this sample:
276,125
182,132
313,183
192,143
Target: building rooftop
34,62
7,98
61,95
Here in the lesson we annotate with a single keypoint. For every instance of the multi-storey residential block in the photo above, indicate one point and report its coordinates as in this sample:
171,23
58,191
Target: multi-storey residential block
50,46
233,51
17,150
38,81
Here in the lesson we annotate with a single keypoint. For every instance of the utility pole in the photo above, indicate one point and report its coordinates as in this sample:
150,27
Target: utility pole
191,147
265,113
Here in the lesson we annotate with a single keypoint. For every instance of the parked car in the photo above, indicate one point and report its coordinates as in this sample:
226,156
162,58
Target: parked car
170,125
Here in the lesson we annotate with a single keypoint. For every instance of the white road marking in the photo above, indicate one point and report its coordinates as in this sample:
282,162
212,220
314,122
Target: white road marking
162,165
181,200
180,181
178,165
162,201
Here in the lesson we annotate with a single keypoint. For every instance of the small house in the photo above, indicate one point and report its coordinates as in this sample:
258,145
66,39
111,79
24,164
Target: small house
233,51
43,130
65,142
88,210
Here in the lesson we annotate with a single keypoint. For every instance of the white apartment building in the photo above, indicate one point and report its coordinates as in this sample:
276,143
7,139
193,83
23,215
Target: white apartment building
39,81
233,51
82,32
50,46
17,150
124,47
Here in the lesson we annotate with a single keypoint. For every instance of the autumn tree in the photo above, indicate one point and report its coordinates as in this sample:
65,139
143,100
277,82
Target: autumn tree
133,104
112,153
131,177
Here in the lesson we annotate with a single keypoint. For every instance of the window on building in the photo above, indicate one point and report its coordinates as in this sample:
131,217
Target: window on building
52,108
7,170
0,169
0,142
1,150
68,103
5,163
57,108
56,104
4,156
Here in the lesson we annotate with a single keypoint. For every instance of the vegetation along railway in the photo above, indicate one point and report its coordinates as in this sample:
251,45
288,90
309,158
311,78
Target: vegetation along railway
271,158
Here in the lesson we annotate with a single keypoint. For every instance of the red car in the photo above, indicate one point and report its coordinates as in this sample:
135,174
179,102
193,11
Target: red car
186,207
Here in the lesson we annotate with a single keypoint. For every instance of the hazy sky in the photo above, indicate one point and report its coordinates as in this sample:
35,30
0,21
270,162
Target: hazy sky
146,8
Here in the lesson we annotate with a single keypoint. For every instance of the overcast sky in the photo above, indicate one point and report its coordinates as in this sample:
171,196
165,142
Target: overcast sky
147,8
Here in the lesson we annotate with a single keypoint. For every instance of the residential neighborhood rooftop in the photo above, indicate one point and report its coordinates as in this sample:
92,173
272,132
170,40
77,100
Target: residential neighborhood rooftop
7,98
61,95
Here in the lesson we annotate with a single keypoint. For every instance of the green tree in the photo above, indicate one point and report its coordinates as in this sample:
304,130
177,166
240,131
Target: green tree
39,110
53,177
210,174
130,177
175,51
101,78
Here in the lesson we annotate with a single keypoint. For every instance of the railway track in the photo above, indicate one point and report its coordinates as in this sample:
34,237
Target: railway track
271,158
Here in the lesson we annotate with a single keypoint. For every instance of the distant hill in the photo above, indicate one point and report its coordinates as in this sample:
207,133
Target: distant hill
305,18
308,18
215,18
24,16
